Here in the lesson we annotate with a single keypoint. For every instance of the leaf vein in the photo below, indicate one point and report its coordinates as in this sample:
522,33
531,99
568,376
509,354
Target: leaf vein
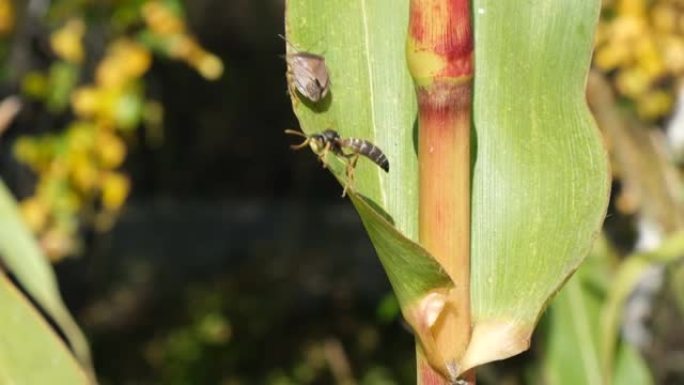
371,87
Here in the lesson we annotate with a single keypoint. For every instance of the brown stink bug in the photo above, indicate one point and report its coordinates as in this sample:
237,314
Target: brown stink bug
307,74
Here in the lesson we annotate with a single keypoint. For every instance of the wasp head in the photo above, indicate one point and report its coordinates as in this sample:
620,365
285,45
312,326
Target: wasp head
318,143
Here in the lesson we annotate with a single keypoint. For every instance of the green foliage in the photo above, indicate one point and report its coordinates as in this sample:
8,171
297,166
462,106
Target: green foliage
626,278
540,175
575,339
32,352
540,181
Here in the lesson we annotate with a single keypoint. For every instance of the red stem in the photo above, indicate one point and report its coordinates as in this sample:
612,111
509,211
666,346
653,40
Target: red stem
439,53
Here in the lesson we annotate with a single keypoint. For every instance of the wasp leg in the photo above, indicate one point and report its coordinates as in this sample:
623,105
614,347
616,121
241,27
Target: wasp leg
351,166
291,88
323,155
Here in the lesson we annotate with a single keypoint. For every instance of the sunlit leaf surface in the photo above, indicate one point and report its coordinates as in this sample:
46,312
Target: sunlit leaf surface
372,98
30,351
22,256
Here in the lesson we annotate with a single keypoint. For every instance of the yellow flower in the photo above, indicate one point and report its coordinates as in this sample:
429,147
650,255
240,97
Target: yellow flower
612,55
626,28
664,17
111,150
115,187
632,7
136,57
673,53
85,101
654,104
35,213
67,41
209,66
6,17
186,48
161,19
84,173
26,150
632,82
648,57
110,73
80,136
182,46
125,61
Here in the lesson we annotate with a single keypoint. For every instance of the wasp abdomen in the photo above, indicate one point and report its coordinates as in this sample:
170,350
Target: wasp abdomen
369,150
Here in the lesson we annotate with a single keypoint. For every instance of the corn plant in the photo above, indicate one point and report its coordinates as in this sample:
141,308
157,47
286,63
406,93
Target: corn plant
498,178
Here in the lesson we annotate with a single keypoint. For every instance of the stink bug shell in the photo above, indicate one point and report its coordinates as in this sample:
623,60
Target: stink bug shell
308,74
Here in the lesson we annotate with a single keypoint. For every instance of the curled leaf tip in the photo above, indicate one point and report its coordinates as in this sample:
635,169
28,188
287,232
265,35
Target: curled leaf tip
496,340
431,308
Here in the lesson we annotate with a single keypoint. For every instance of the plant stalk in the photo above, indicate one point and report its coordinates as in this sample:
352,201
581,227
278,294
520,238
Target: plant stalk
440,58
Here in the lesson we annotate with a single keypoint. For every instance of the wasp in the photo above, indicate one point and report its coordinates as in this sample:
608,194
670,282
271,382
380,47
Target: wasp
307,74
330,141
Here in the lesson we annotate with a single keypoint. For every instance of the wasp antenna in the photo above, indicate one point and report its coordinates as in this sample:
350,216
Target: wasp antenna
294,132
301,145
303,135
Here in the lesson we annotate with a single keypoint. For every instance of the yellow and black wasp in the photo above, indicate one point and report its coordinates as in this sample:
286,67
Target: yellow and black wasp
330,141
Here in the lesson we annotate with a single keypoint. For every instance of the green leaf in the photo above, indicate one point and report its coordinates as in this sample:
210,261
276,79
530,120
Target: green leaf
63,79
625,281
540,181
573,353
397,253
372,98
30,351
631,368
371,95
21,255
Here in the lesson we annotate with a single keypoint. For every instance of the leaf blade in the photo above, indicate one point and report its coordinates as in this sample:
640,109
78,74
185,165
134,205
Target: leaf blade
540,181
539,157
22,256
30,352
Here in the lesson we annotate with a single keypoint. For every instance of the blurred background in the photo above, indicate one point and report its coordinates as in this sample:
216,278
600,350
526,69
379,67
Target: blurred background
144,140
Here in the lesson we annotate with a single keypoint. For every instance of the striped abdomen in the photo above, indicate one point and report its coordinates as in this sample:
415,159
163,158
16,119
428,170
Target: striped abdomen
367,149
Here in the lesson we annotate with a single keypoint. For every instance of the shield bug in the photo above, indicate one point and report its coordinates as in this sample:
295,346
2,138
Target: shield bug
330,141
307,74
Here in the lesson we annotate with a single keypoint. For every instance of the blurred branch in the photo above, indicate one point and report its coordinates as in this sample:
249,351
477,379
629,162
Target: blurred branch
38,8
9,108
30,24
651,185
338,362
